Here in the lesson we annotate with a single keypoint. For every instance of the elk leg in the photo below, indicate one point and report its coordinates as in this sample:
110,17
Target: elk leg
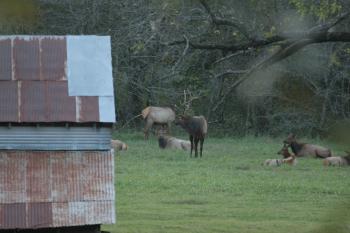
202,141
168,127
196,147
148,125
191,140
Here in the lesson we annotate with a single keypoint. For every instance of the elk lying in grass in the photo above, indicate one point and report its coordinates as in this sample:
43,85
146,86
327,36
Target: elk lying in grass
273,162
118,145
337,160
157,115
305,149
278,162
197,127
173,143
287,157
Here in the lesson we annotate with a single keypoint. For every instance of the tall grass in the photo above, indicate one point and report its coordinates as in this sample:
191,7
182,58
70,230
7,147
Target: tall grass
227,190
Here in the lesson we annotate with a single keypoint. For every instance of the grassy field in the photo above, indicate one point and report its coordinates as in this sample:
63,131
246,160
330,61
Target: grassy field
227,190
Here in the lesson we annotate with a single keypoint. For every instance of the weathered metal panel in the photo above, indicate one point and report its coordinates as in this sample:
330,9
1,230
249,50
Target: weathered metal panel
8,101
13,180
88,108
89,65
26,58
99,169
39,215
59,179
5,60
80,189
38,177
60,213
33,101
53,58
60,106
107,111
75,176
55,138
13,215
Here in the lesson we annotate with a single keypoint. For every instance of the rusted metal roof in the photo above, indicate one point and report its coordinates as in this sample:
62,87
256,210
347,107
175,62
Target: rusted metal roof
51,189
5,60
34,81
9,101
26,57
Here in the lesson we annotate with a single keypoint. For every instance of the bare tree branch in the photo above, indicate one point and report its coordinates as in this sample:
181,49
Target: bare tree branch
231,56
182,56
220,21
231,72
319,37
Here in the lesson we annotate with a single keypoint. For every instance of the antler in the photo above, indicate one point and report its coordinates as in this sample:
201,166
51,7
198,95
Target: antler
188,99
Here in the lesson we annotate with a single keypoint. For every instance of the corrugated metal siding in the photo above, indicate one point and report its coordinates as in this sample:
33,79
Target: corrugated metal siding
13,215
39,214
55,138
53,189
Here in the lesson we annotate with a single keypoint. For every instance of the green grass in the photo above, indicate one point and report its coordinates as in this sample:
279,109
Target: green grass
227,190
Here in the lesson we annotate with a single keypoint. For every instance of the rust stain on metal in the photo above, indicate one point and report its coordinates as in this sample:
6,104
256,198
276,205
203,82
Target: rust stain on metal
9,101
33,101
99,169
75,176
26,59
51,189
53,58
60,106
88,108
13,177
38,177
5,60
59,179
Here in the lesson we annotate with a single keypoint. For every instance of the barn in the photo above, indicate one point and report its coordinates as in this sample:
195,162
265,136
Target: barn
56,117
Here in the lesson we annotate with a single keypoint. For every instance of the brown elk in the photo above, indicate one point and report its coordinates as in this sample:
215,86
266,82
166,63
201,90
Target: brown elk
197,127
118,145
157,115
305,149
287,157
173,143
337,160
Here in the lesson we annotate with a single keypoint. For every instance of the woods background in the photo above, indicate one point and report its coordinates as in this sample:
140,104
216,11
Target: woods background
221,53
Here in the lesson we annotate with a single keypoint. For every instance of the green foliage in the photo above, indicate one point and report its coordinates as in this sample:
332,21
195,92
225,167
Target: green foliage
18,16
323,9
227,190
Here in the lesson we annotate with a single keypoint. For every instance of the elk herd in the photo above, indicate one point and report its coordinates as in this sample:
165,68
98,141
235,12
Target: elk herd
197,128
305,149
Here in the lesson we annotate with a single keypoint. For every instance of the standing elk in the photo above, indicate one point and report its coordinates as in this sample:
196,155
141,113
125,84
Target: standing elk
305,149
157,115
197,127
